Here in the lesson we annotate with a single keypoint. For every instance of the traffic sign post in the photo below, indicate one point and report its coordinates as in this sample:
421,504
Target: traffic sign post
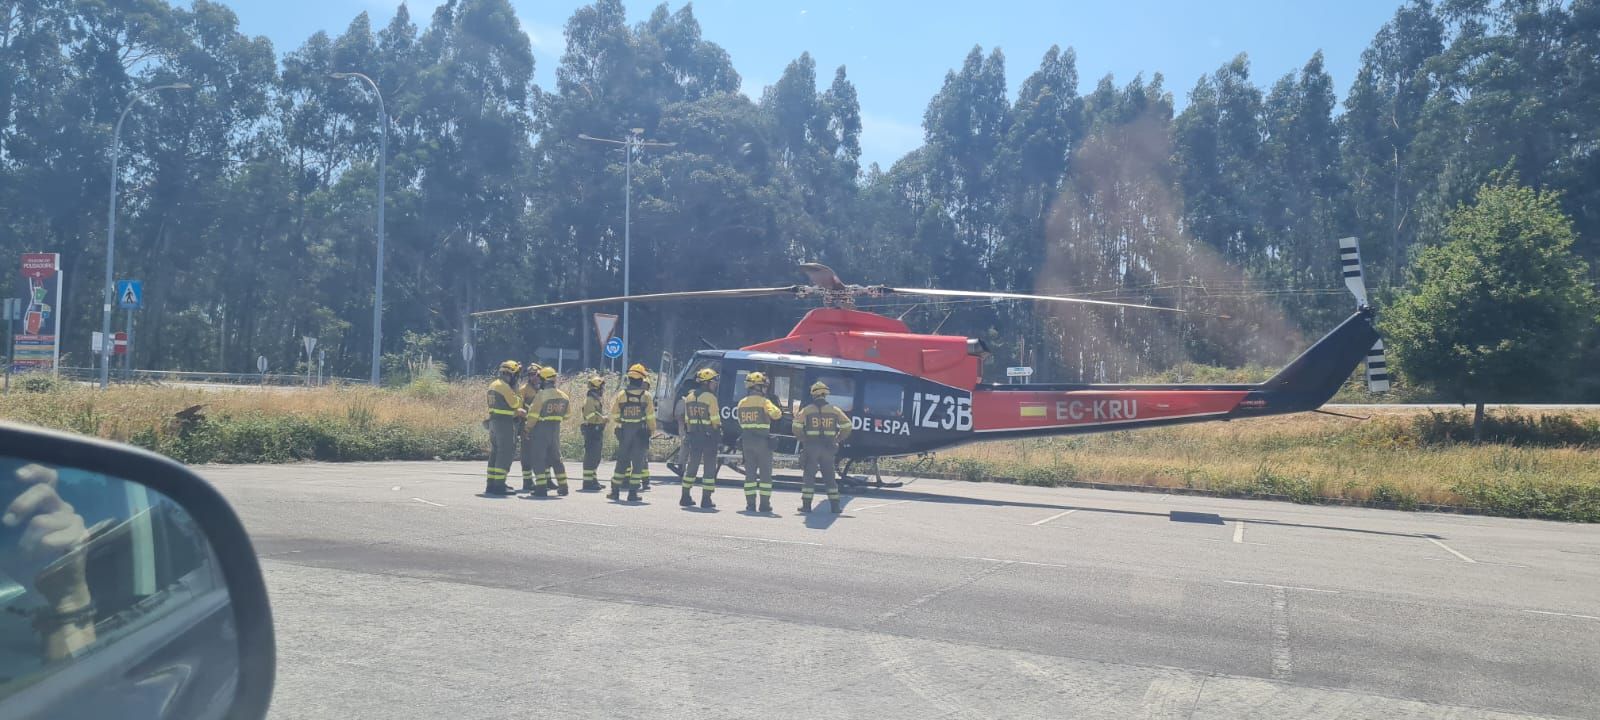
1017,375
614,348
261,367
311,344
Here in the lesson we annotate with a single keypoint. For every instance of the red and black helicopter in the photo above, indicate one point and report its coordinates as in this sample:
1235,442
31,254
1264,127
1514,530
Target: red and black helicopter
909,393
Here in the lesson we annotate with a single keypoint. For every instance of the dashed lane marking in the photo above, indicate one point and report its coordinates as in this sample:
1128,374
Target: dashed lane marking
1053,517
1280,587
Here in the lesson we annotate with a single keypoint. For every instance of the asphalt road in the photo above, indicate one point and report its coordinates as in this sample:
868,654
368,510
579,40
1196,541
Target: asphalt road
399,593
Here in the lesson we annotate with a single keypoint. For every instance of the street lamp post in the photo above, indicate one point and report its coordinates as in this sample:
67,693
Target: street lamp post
111,231
383,155
631,144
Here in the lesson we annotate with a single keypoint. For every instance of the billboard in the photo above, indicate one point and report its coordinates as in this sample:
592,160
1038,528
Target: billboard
38,346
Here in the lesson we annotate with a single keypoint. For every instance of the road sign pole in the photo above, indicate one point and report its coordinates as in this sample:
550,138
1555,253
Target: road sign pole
127,350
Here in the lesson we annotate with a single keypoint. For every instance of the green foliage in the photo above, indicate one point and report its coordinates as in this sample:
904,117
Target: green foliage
35,382
256,191
1501,310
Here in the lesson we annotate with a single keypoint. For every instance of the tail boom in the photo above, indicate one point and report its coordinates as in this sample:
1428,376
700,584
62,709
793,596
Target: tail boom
1002,411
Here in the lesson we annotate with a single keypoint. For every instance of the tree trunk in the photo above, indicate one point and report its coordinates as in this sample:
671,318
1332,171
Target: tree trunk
1477,424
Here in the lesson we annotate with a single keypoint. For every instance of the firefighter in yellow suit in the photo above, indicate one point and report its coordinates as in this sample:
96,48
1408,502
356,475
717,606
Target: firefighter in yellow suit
593,428
702,436
635,416
527,389
755,414
505,410
549,407
821,427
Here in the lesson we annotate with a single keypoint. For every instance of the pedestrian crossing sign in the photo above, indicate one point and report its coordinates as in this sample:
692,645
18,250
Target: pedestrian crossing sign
130,294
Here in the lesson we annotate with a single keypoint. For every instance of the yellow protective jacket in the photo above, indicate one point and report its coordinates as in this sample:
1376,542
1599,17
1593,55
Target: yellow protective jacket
549,405
503,400
755,414
702,414
824,422
631,407
594,409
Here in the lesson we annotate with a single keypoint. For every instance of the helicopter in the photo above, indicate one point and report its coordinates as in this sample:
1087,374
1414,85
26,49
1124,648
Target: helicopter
912,394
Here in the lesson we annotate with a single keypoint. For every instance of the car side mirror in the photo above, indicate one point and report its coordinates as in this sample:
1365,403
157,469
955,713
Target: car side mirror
128,587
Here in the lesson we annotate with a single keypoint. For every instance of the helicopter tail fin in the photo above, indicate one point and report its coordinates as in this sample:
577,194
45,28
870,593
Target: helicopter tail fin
1313,377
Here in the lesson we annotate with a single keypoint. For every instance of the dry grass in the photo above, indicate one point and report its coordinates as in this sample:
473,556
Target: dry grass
1540,464
1406,457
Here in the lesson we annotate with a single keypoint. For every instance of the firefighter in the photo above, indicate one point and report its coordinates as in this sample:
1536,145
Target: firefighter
505,410
755,414
594,431
821,427
545,413
702,436
527,390
635,416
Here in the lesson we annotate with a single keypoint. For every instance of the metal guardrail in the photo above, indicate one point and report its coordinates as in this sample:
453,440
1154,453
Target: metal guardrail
192,376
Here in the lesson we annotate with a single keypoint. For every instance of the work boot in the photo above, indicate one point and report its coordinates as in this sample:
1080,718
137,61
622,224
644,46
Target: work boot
613,494
591,485
552,485
539,492
646,483
561,489
805,505
749,503
686,500
633,494
527,487
500,489
833,504
705,501
766,504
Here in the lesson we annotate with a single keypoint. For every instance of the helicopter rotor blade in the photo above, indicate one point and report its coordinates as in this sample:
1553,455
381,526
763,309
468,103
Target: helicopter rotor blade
795,290
936,292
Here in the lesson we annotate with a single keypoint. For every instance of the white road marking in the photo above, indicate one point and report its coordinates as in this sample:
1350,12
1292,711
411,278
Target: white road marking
1452,551
1544,612
769,540
429,502
572,522
1017,562
1282,659
1238,531
880,505
1052,517
397,487
1280,587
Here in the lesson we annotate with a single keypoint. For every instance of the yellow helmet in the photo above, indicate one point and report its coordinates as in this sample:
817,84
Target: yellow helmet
819,388
637,372
547,373
597,381
532,368
705,375
755,378
510,366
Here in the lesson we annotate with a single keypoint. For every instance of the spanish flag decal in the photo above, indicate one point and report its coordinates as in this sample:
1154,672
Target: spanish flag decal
1032,410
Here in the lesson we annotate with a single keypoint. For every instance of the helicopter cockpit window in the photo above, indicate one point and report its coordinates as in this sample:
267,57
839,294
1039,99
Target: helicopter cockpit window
884,400
841,391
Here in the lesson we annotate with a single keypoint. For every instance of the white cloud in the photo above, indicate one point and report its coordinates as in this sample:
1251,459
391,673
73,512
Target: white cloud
547,40
885,140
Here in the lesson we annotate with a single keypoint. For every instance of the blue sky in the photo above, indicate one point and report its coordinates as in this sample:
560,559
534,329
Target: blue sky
897,51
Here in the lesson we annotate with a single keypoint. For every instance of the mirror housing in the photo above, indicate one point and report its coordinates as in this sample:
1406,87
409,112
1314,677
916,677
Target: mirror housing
73,689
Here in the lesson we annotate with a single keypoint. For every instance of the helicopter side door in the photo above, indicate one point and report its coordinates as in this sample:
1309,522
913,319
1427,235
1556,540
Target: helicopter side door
782,383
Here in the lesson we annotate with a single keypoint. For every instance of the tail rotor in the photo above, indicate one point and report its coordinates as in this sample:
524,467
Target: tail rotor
1350,263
